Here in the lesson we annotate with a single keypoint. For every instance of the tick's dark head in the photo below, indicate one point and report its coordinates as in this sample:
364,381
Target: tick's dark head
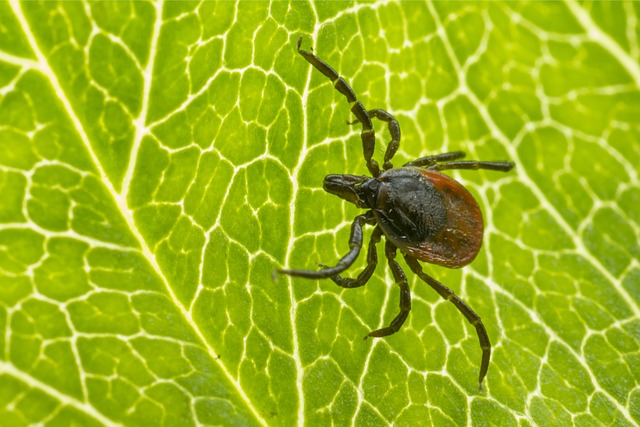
359,190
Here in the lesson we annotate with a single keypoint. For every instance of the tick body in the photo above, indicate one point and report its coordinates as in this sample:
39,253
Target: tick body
429,216
423,213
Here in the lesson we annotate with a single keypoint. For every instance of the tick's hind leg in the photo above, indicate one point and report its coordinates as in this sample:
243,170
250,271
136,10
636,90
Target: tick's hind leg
367,135
367,272
405,295
463,308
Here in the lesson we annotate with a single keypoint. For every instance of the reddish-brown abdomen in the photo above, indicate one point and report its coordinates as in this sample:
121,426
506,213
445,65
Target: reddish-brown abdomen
458,238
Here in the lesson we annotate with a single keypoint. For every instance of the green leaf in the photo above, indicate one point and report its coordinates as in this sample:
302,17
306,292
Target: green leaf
158,161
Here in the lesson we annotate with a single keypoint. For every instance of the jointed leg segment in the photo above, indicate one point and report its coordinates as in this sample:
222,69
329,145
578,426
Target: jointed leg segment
341,85
445,161
437,158
367,272
394,130
463,308
405,295
472,164
355,244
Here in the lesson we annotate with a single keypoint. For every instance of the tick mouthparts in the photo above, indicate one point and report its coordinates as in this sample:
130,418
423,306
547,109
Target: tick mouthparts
339,181
343,186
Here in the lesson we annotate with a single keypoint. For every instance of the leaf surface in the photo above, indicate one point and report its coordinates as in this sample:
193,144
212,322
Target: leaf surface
158,161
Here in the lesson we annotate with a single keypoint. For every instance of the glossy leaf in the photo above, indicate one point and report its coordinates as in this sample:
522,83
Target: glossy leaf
158,161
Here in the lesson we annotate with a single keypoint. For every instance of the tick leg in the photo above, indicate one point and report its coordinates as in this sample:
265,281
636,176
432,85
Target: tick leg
367,272
394,130
405,295
463,308
368,134
355,244
472,164
438,158
368,137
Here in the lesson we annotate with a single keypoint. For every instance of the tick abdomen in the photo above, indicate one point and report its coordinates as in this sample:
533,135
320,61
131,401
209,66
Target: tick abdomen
429,216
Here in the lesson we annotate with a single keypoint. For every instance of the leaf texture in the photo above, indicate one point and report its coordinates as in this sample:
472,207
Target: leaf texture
159,160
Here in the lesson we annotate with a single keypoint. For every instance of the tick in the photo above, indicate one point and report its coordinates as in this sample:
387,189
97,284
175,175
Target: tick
420,211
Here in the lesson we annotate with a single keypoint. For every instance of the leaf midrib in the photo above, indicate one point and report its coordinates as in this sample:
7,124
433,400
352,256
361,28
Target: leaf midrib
121,198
